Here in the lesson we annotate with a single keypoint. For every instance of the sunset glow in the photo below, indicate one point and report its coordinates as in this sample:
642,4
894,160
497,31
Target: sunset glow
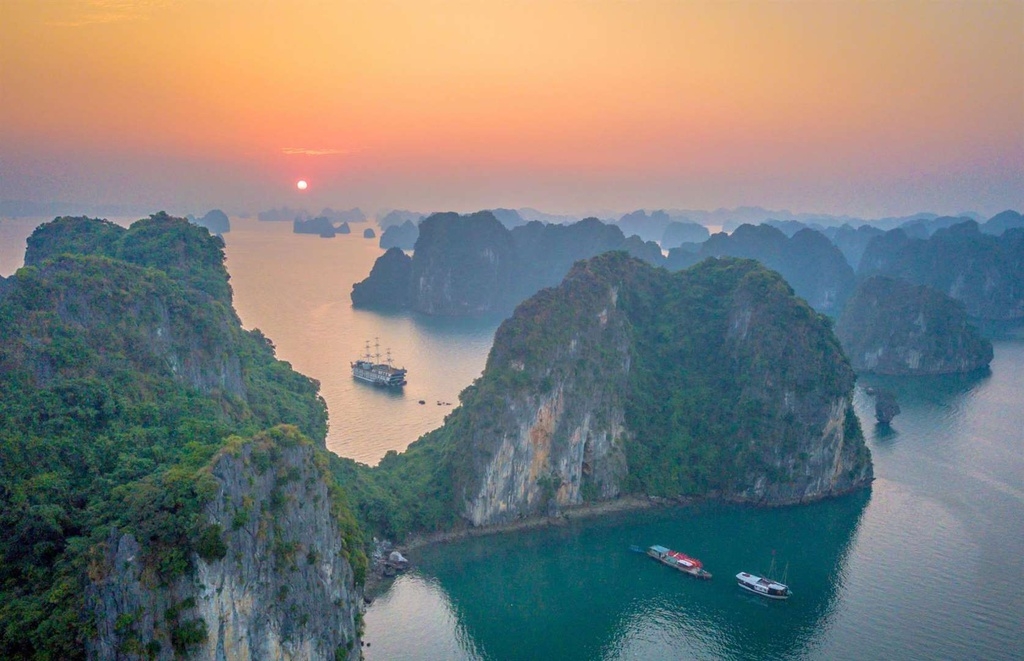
851,107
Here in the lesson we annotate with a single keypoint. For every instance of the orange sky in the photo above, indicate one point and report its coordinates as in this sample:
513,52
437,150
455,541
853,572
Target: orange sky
844,107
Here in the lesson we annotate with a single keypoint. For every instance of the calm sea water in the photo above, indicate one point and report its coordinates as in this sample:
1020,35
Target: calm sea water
295,288
927,564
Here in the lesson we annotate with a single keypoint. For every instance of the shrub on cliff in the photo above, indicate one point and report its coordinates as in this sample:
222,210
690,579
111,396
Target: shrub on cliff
892,326
123,368
631,379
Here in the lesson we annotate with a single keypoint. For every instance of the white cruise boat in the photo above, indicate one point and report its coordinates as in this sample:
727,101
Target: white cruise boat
764,587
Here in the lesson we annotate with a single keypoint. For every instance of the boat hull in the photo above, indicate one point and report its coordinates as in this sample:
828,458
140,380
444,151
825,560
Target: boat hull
762,587
667,558
379,375
779,597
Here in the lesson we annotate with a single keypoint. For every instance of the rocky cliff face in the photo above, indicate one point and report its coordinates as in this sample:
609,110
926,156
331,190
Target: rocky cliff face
561,433
984,272
388,284
894,327
120,377
463,265
137,315
473,265
275,583
625,378
795,378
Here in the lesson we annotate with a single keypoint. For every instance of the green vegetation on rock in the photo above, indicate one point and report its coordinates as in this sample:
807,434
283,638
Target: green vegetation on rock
474,265
894,327
982,271
123,369
630,379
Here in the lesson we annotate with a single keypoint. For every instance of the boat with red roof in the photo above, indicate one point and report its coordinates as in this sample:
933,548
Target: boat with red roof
680,561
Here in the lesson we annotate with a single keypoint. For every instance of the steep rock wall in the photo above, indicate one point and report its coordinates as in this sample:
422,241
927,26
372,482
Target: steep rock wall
895,327
984,272
472,265
810,444
629,379
281,588
560,429
463,265
140,317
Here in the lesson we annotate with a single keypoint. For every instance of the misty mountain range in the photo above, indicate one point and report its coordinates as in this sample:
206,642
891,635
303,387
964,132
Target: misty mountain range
727,219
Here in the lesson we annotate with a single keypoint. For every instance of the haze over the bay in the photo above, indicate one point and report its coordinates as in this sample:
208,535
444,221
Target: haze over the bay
867,109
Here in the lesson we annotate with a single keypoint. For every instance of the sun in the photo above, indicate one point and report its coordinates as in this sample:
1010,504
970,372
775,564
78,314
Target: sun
302,185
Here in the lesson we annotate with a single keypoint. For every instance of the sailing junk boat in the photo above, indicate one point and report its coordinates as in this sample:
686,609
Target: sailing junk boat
377,372
765,587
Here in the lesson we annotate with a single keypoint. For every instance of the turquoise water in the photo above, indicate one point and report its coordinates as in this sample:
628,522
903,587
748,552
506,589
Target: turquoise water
928,564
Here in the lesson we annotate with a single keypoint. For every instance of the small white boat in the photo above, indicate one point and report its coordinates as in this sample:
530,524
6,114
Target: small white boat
764,587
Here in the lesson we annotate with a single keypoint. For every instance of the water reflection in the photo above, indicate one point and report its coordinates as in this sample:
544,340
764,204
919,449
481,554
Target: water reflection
942,389
308,314
443,327
397,618
884,433
577,592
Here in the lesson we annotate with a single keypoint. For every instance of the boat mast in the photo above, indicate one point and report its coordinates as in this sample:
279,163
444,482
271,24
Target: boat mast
377,347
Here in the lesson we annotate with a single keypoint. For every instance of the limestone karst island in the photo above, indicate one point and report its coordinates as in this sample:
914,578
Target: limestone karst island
511,330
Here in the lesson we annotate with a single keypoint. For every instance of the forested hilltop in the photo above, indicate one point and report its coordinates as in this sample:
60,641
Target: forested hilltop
810,263
132,410
628,379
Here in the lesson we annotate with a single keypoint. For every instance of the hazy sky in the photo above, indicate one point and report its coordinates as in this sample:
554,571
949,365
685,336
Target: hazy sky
846,107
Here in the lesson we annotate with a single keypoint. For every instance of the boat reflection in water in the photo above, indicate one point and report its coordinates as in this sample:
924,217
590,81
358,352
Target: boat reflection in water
577,591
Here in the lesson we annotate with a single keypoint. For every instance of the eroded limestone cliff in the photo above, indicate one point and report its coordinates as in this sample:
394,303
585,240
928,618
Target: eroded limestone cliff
982,271
558,433
628,379
123,370
272,579
474,265
894,327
